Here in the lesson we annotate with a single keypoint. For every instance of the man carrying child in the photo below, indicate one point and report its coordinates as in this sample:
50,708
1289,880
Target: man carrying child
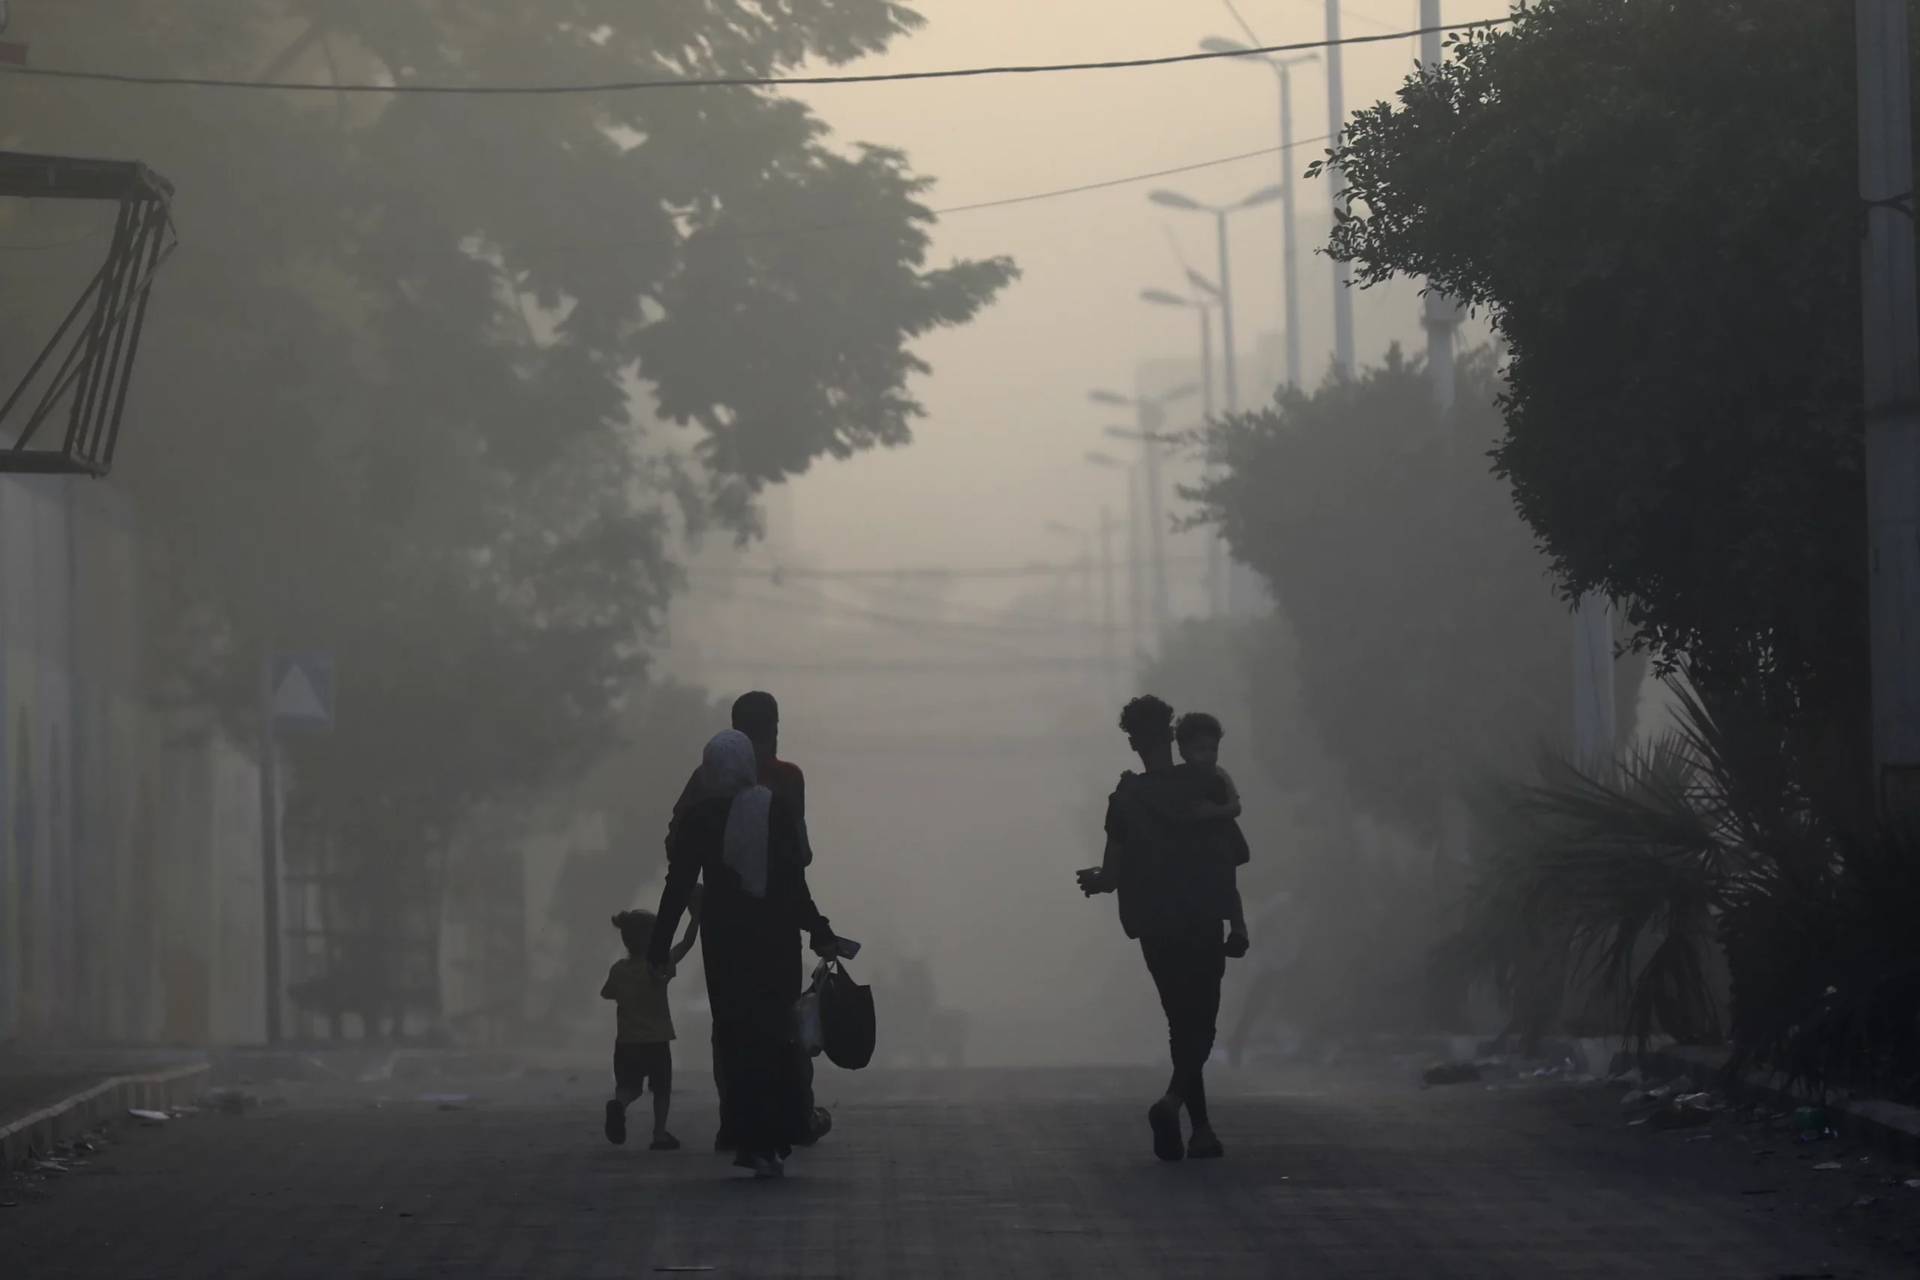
1172,851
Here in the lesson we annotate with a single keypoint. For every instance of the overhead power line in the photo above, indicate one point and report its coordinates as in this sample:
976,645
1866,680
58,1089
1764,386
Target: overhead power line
822,606
1036,569
1105,183
724,82
826,228
1000,202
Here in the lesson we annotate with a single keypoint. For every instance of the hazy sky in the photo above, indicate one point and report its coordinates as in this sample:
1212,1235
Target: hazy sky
959,767
1008,421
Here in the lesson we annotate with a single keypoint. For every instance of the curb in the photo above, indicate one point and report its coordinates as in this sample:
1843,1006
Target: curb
39,1131
1888,1127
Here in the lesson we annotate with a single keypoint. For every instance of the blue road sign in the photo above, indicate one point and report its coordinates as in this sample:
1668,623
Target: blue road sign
300,690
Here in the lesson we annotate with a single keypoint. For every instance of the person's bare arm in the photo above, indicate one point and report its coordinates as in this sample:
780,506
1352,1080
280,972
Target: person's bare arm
1237,942
682,951
683,876
688,794
1226,807
1103,878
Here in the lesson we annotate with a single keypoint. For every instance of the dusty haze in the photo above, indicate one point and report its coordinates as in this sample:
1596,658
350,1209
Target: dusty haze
959,780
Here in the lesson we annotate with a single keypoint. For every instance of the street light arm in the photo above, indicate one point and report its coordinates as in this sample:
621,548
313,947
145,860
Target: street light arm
1222,45
1174,200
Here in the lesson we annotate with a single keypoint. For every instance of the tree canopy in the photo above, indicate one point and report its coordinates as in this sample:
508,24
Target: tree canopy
440,383
414,379
1656,204
1427,643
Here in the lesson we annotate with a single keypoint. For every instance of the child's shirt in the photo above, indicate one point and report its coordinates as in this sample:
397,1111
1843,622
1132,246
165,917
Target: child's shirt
1216,787
641,998
1220,788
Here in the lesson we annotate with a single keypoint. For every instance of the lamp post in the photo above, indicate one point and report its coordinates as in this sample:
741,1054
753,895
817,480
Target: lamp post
1085,588
1150,413
1130,475
1202,302
1203,307
1233,584
1290,245
1336,128
1175,200
1109,602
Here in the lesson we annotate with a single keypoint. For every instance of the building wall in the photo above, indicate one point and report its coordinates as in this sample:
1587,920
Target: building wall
129,884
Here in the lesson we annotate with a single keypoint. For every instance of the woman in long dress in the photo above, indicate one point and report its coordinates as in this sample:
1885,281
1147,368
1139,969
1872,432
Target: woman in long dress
745,845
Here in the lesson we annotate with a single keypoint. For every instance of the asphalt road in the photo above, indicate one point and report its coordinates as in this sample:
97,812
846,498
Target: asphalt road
963,1174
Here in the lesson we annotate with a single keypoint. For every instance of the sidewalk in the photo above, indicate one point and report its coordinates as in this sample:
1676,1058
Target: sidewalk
51,1096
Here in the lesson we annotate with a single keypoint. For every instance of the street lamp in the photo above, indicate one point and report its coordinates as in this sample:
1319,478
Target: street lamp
1130,477
1290,261
1084,567
1164,298
1150,412
1175,200
1205,299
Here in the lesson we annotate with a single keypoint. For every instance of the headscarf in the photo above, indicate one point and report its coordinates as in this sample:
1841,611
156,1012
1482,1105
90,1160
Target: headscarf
729,768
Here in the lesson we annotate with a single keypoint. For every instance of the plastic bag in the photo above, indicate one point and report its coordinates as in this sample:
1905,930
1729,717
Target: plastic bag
846,1017
808,1029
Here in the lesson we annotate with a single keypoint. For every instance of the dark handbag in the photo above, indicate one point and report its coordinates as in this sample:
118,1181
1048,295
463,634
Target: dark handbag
846,1017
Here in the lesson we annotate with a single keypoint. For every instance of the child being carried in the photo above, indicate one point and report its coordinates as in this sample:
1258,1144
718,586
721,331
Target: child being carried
1198,735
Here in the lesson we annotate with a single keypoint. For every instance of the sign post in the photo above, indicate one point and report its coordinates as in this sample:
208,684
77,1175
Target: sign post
296,692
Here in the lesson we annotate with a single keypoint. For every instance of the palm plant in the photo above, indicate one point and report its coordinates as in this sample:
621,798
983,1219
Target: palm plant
1706,846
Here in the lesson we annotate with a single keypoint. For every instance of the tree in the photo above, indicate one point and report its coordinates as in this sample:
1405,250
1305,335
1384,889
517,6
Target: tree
1656,205
1429,648
439,382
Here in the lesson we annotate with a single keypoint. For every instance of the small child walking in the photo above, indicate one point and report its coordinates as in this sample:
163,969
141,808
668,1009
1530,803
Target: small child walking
643,1044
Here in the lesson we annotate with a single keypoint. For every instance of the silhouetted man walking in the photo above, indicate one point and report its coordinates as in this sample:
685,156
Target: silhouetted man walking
1175,888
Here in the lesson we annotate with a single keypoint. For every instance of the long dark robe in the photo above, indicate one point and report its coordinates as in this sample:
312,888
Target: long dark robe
755,971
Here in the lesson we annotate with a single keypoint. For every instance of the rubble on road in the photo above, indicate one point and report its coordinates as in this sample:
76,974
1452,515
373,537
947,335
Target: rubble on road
231,1102
1451,1073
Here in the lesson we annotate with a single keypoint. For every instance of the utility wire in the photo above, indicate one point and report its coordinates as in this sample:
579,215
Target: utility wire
726,82
823,606
1003,202
1130,178
1036,569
